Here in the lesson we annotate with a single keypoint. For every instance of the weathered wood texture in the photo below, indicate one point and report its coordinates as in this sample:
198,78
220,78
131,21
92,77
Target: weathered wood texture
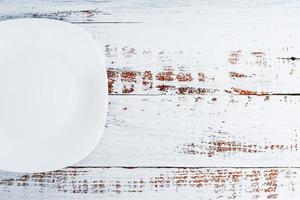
154,183
192,84
200,58
203,131
219,11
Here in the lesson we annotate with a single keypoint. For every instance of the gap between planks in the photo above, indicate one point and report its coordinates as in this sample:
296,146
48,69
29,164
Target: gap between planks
178,167
267,94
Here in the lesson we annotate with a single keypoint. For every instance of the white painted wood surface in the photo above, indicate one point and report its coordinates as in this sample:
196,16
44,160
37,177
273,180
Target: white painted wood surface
212,130
154,183
192,84
143,58
232,11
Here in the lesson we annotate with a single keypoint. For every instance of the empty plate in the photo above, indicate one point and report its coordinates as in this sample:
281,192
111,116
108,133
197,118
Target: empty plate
53,94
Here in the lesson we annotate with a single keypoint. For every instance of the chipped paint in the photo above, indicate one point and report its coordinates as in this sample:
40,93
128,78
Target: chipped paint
86,15
129,76
192,91
128,80
111,76
165,88
184,77
258,54
228,147
152,82
244,92
128,90
234,57
234,75
277,76
167,75
148,79
201,77
226,183
128,52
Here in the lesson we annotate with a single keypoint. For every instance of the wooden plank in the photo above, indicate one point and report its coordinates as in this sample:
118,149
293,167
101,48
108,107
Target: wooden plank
155,11
212,130
153,183
73,11
189,58
200,58
227,48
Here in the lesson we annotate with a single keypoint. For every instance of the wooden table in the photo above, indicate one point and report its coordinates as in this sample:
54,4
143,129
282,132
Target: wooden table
204,101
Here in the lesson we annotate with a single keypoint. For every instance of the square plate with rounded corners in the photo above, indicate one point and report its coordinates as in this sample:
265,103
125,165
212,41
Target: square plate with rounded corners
53,94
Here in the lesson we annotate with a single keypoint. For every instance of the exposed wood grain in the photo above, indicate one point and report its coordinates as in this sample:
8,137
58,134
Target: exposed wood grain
211,130
189,58
221,49
155,11
214,130
74,10
200,58
171,183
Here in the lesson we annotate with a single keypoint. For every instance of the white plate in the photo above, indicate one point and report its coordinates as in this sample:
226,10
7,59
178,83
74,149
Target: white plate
53,94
